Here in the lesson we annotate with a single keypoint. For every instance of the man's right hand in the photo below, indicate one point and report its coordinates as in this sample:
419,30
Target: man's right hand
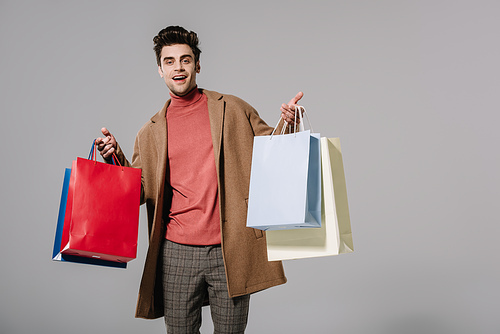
106,145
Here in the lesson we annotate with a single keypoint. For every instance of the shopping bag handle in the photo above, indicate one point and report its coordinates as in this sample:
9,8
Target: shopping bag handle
302,111
93,155
301,124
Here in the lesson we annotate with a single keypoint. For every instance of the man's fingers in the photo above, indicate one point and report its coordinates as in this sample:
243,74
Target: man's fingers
106,145
288,113
290,117
288,110
101,142
296,99
108,152
105,132
285,107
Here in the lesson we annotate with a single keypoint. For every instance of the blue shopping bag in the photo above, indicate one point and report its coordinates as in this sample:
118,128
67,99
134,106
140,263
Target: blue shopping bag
285,182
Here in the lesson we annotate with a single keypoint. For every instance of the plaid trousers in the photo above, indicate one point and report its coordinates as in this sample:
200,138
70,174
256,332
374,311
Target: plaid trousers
189,274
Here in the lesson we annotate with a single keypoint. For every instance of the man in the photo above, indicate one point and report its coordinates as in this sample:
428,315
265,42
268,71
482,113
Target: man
195,156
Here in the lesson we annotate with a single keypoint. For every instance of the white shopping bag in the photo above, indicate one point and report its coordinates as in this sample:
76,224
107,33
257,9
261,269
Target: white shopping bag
285,182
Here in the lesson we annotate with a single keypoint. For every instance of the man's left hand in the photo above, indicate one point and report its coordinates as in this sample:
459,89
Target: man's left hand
288,110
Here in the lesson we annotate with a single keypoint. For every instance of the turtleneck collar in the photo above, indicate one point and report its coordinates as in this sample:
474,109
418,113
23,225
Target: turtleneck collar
183,101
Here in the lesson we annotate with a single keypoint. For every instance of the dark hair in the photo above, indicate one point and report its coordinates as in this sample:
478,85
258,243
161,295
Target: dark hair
176,35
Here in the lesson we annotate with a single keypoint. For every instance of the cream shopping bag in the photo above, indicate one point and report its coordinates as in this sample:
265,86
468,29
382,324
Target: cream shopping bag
334,236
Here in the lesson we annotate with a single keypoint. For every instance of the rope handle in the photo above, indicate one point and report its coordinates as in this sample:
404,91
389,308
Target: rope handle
302,111
93,155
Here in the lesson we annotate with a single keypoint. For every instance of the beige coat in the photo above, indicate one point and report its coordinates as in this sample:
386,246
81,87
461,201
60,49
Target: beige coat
233,124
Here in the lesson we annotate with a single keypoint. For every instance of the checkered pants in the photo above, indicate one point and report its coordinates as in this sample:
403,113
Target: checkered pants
189,274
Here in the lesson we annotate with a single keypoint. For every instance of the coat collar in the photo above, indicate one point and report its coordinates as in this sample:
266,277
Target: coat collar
214,100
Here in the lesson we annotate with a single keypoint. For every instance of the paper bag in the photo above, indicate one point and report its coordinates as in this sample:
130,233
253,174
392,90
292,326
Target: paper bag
56,253
285,182
101,216
334,237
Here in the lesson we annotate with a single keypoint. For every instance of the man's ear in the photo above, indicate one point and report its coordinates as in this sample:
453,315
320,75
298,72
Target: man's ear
198,67
160,71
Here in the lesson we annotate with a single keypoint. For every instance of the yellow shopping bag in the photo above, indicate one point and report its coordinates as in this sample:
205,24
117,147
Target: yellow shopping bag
334,236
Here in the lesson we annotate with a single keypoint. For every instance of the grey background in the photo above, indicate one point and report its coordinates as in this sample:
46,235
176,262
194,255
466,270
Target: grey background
410,87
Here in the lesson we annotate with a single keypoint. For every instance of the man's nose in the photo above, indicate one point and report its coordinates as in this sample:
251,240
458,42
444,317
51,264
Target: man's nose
178,66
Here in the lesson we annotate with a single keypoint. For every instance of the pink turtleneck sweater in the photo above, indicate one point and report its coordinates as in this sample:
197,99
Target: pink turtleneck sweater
194,217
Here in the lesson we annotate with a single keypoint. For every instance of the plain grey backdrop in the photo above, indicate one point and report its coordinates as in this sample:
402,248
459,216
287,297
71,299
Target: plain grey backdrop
410,87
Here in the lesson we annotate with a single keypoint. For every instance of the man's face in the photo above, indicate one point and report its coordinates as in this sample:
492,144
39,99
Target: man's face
178,68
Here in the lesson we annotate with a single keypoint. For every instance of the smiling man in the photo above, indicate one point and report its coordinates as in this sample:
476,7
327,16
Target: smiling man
178,67
195,155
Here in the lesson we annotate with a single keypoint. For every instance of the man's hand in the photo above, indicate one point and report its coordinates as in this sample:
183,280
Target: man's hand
107,145
288,110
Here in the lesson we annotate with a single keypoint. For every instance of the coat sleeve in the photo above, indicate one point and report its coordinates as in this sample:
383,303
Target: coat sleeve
259,126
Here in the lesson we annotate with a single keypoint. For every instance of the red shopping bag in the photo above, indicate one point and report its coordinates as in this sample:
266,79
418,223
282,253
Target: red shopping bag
102,211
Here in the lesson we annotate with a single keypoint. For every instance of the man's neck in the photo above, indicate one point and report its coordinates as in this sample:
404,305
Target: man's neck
190,98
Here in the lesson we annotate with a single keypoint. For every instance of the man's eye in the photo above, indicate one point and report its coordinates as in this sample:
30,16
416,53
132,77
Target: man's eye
186,61
169,62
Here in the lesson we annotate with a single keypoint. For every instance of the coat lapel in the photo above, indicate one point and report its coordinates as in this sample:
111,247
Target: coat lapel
159,130
159,125
216,116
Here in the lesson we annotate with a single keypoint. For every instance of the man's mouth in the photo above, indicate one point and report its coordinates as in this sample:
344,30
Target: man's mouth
179,77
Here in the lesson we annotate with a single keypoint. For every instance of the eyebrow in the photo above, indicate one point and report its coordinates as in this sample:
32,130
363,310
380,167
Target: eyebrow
182,57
